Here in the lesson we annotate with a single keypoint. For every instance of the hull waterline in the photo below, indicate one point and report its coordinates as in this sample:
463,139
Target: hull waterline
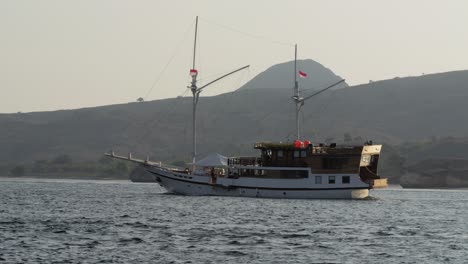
201,186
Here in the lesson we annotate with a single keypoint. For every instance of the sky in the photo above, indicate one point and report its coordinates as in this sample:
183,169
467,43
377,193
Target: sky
66,54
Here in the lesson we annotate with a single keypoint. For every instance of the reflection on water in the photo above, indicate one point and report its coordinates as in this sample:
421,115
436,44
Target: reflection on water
122,222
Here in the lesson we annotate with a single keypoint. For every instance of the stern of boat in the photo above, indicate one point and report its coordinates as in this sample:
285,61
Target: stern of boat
368,168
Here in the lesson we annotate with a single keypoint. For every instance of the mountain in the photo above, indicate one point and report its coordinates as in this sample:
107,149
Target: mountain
390,111
281,76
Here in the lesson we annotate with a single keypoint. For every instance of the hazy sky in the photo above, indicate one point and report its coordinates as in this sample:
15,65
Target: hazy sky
69,54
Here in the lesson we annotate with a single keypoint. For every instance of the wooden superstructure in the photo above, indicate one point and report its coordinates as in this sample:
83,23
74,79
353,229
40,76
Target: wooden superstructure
318,159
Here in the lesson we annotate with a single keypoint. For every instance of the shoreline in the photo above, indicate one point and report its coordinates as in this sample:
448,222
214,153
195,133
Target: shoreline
52,178
120,180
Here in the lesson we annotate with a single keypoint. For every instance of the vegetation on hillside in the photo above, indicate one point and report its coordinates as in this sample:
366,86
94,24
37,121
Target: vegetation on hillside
423,110
63,166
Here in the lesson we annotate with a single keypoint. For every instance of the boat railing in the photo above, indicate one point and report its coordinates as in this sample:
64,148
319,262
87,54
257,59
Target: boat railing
245,161
169,167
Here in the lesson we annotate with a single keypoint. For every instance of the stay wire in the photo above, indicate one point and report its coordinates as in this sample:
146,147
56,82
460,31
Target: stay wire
159,76
248,34
324,106
179,100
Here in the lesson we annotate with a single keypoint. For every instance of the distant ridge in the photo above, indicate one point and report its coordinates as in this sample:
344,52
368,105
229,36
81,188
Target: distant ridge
411,109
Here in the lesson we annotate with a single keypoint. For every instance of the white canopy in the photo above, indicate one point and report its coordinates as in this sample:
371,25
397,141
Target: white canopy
213,160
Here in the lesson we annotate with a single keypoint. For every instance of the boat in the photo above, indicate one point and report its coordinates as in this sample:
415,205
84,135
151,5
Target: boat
295,170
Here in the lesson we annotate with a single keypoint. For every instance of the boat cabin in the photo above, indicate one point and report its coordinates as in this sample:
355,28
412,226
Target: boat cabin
277,158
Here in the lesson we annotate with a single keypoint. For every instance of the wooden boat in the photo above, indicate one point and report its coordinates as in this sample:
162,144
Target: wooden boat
300,169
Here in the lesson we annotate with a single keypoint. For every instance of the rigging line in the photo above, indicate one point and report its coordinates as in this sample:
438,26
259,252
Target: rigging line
215,75
242,77
212,76
289,134
200,59
184,93
290,118
313,88
248,34
157,120
302,125
330,121
293,131
247,83
234,86
176,50
269,89
264,117
170,111
127,128
230,95
323,107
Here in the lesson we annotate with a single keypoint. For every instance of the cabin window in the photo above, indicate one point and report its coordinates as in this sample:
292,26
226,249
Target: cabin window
345,180
331,179
303,153
318,179
293,174
279,154
296,154
334,163
365,158
268,152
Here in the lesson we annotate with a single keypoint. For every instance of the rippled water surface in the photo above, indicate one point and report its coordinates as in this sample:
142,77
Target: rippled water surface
123,222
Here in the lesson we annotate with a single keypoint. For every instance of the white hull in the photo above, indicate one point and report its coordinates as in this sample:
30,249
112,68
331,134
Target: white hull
304,188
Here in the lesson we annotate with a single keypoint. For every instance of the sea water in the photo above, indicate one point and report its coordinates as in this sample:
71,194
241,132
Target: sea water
44,221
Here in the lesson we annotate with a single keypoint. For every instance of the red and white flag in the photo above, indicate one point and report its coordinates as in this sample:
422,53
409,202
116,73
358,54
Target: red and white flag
302,74
193,72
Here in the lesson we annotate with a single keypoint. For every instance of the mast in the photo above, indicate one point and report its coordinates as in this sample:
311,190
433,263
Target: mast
300,100
296,95
195,42
196,94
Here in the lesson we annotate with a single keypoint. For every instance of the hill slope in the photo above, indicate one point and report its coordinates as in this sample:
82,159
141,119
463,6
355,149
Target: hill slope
390,111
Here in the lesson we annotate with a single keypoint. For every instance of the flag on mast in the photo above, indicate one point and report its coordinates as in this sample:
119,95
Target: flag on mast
193,72
302,74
